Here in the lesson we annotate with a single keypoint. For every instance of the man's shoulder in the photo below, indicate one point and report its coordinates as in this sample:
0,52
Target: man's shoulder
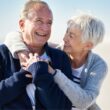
56,51
3,49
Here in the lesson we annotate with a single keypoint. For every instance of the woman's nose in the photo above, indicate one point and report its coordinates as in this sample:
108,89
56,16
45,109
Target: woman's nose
65,37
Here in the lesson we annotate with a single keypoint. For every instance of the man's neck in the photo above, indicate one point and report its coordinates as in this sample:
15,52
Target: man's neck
38,50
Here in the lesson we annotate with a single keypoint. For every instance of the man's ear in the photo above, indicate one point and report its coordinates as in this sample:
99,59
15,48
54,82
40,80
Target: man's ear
21,24
88,45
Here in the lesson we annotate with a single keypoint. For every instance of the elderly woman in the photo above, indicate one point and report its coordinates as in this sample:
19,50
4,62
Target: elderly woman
83,33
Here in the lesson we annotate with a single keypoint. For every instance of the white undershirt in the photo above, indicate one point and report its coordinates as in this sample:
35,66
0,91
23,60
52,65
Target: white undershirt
77,73
30,88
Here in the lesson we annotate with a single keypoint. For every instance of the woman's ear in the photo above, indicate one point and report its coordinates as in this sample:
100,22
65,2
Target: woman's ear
88,45
21,24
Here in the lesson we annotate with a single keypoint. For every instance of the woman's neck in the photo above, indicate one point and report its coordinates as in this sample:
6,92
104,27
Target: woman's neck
78,60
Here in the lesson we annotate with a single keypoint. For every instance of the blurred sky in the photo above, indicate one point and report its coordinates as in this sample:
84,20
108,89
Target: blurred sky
62,11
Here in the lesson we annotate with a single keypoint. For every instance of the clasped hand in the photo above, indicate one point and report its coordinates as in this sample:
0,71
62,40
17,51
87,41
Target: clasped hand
27,59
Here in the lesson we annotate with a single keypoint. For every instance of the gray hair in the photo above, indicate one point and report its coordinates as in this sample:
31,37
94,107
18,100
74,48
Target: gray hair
31,4
92,28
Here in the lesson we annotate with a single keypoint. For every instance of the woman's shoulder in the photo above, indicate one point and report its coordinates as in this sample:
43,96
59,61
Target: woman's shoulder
98,58
97,61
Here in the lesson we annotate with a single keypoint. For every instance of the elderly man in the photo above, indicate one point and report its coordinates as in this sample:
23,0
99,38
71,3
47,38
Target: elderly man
23,88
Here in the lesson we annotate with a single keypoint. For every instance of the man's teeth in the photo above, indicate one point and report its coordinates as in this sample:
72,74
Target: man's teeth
41,34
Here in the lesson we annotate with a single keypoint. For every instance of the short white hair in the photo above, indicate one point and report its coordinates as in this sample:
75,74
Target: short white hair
31,4
92,28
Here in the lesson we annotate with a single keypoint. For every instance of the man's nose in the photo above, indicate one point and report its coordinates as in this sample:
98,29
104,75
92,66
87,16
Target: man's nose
46,27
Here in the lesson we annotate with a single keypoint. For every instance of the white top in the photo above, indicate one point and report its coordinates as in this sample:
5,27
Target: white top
77,74
77,71
30,88
76,78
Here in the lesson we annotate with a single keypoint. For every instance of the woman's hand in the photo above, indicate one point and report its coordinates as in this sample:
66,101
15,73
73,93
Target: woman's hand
50,69
35,58
23,57
30,60
26,59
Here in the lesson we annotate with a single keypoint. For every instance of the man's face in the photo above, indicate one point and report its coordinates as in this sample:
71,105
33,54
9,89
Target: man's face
37,27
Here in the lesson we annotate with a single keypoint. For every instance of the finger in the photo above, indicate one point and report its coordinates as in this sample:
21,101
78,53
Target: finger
30,55
25,57
36,55
24,64
28,75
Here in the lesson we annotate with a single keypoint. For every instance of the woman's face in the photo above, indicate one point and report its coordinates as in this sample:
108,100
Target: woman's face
72,41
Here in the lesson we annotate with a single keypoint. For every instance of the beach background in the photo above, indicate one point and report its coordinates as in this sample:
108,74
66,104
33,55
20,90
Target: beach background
103,100
62,11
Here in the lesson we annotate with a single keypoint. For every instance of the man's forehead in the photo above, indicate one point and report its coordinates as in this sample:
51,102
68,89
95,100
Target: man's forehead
38,14
40,7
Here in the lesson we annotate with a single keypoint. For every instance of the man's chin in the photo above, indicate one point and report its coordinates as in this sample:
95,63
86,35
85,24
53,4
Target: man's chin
66,50
42,44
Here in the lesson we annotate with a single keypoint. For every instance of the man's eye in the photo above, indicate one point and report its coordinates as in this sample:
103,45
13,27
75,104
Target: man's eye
50,23
38,21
